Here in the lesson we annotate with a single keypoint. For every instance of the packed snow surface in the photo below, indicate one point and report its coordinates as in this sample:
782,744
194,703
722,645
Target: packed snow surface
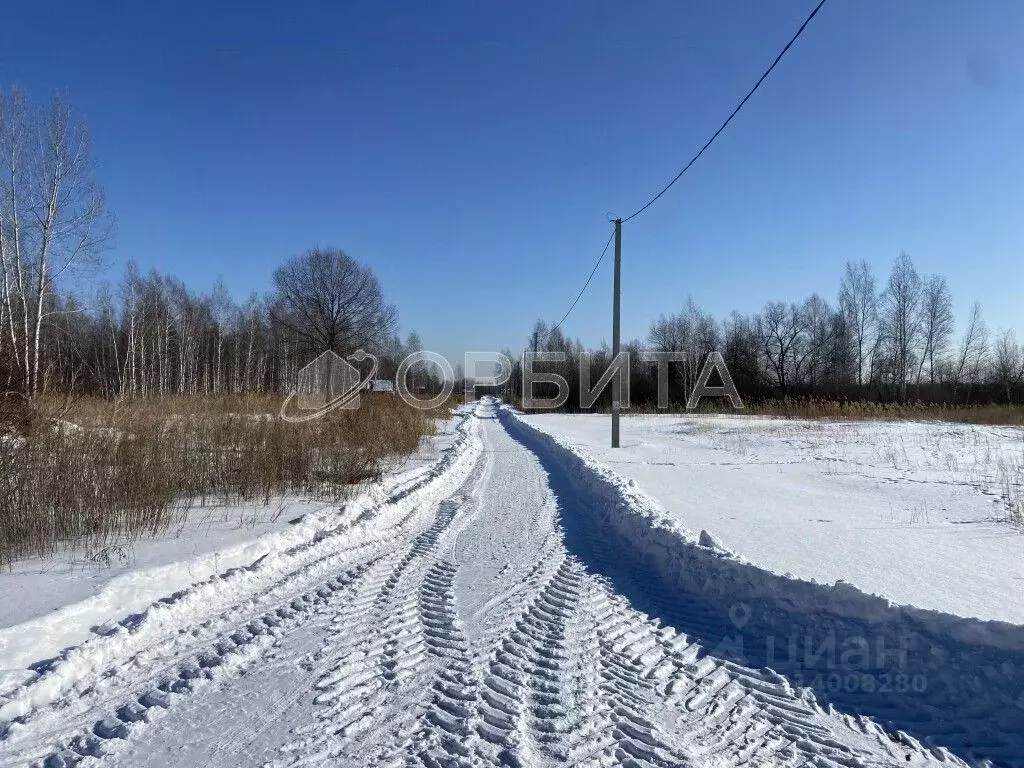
513,601
914,511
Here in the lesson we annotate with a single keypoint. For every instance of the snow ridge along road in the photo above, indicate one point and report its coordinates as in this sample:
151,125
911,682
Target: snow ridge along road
515,604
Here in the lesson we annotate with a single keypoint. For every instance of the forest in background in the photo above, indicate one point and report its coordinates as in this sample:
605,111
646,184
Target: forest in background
881,342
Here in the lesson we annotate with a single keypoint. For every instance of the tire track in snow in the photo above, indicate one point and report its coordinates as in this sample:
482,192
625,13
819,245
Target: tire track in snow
583,678
627,651
663,701
730,708
674,704
449,738
357,651
229,655
372,697
519,686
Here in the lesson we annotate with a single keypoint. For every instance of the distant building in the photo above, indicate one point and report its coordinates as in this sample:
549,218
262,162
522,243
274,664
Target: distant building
381,385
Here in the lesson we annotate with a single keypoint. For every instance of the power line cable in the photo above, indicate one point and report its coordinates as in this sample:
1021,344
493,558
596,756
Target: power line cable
739,106
584,288
694,159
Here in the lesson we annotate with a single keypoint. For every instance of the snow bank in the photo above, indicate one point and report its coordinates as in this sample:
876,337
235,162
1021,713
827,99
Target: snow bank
953,681
912,511
288,562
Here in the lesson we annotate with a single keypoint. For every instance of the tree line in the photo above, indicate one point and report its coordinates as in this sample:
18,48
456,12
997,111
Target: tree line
890,341
150,334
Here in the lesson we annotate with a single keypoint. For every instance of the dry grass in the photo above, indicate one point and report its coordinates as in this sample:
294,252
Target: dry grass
1011,478
834,410
106,472
974,455
1011,415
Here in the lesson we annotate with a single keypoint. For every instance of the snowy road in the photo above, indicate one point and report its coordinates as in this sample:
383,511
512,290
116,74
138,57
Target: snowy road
484,614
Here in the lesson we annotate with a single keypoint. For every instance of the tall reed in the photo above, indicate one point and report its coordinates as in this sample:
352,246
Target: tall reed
107,472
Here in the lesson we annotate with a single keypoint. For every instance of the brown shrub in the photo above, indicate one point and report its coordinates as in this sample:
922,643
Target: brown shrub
17,415
132,468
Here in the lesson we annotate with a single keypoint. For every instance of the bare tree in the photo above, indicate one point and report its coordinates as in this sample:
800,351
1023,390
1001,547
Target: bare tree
858,301
936,323
781,332
691,332
539,336
816,335
901,320
669,334
1008,363
973,351
707,336
742,350
52,215
325,300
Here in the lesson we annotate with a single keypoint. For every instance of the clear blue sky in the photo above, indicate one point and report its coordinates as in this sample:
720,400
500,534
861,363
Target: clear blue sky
472,152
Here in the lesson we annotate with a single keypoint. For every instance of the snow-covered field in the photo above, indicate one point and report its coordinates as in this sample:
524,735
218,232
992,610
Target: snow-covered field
914,511
511,598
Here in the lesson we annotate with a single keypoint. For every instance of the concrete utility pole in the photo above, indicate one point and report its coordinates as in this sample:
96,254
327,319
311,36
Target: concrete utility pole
617,381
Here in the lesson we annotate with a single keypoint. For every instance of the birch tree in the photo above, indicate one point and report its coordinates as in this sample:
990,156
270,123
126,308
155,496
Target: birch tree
1008,363
936,323
901,321
53,217
858,301
973,351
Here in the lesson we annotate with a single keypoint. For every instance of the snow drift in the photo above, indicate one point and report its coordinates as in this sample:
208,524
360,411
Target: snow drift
947,680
